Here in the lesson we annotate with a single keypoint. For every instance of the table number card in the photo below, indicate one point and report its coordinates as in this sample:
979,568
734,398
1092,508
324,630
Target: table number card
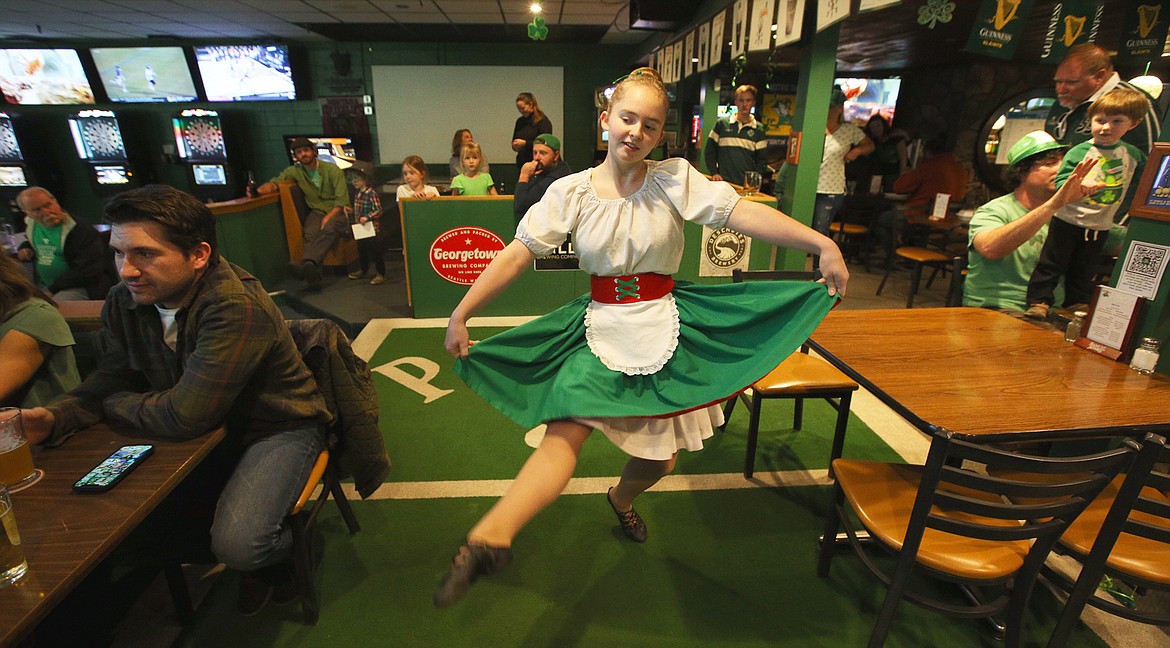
939,211
1113,320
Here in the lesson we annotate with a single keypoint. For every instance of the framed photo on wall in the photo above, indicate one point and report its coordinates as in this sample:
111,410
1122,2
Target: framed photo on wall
1152,198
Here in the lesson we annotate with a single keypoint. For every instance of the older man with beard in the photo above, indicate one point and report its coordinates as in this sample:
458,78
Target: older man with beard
70,260
1084,75
536,175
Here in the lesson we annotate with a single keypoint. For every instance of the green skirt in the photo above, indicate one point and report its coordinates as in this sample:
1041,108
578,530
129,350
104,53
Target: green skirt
730,335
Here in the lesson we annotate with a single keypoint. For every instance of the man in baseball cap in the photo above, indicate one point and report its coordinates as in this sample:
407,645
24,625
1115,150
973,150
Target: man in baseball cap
1007,233
536,175
326,196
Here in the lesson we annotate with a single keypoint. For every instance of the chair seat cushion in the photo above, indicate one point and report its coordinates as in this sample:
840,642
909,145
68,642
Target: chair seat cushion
1142,557
849,229
882,495
922,255
801,373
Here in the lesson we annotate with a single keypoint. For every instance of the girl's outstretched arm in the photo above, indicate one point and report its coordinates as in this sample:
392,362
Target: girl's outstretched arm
510,263
763,222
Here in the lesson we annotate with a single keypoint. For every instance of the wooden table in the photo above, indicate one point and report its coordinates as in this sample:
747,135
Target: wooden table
83,315
65,534
984,374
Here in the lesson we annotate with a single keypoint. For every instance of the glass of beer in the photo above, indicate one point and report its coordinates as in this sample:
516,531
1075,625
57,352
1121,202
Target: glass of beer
13,564
751,183
16,464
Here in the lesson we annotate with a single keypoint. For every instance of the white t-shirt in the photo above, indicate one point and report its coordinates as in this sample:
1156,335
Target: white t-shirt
832,178
404,191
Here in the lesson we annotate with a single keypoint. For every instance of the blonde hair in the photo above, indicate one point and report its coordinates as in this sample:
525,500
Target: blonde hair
643,77
748,88
529,98
415,162
469,148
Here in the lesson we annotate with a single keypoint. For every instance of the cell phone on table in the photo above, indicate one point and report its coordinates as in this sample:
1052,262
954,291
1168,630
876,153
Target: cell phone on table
113,468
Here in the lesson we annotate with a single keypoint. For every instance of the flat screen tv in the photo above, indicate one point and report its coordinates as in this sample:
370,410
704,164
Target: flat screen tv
43,76
144,74
865,98
9,146
246,72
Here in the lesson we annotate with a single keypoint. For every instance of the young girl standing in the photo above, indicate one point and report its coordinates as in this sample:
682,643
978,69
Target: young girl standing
367,207
472,182
627,358
414,176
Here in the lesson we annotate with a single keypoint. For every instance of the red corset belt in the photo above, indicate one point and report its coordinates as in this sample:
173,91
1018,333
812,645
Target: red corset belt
627,289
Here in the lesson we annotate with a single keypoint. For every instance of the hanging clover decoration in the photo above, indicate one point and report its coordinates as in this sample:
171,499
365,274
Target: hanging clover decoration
936,11
537,29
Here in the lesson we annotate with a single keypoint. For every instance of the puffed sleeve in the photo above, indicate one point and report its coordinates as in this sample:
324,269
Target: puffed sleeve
549,221
696,198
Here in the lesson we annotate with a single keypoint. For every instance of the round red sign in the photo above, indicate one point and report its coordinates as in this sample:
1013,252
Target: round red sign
460,254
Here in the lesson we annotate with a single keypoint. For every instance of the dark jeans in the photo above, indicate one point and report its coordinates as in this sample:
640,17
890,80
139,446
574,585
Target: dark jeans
1073,253
371,249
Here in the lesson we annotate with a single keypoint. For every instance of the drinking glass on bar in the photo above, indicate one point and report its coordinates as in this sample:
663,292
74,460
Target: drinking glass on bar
16,463
13,564
751,183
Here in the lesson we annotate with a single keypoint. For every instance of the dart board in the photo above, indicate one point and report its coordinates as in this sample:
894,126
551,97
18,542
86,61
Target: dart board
204,138
9,149
103,139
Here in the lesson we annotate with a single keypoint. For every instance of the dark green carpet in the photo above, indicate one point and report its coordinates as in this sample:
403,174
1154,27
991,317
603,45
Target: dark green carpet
721,568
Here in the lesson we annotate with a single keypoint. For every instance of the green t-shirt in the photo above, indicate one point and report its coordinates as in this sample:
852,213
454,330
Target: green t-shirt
39,320
480,185
325,192
1001,283
46,242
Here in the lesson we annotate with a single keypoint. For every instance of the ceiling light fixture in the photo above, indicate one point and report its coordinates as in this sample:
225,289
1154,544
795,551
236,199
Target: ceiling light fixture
535,7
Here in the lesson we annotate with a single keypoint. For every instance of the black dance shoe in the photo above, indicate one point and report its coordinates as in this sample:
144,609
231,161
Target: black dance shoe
472,561
632,524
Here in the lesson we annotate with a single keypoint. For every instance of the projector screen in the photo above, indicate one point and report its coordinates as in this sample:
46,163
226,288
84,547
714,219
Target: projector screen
419,108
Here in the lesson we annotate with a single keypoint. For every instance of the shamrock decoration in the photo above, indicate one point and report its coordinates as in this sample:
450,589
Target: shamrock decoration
936,11
537,29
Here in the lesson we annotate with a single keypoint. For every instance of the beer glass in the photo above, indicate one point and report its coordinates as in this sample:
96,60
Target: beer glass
16,464
13,564
751,183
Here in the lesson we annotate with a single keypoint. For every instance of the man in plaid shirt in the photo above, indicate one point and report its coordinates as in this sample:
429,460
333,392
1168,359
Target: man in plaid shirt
192,342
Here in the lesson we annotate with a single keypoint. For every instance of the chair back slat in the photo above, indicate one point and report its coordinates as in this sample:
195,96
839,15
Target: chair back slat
980,512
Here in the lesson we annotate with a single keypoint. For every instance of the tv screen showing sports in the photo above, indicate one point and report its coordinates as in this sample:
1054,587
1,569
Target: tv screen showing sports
209,174
144,74
12,176
9,147
246,72
865,98
43,76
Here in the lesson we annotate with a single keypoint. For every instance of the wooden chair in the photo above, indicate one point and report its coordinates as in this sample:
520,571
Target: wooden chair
799,376
302,520
919,258
951,520
854,239
1124,534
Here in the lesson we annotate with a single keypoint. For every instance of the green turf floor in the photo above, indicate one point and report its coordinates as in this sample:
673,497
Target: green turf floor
721,568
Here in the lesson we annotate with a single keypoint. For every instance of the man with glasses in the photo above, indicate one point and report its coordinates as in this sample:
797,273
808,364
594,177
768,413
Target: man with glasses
1007,233
70,261
1082,77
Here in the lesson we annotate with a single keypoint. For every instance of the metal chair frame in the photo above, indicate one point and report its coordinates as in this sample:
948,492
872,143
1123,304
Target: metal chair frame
957,499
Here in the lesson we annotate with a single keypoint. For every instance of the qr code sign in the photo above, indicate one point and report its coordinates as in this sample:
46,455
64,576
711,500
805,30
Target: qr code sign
1145,260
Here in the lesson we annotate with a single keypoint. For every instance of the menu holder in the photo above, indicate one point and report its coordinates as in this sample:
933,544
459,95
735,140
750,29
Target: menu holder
1112,324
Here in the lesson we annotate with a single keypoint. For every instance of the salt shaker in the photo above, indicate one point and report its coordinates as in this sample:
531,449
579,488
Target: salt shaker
1145,357
1073,330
